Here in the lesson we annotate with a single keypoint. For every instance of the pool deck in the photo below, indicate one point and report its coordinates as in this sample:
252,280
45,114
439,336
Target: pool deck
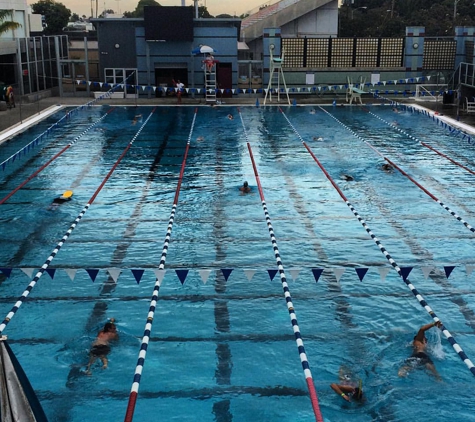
26,114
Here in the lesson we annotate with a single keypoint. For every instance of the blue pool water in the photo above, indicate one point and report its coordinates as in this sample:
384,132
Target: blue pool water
224,350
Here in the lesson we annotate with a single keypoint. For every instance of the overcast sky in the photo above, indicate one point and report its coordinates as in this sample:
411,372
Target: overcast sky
215,7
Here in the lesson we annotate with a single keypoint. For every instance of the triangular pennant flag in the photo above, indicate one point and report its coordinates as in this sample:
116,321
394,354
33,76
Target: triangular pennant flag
159,274
92,273
272,274
469,269
204,274
426,270
448,270
6,271
405,271
28,271
114,273
226,273
182,274
317,272
71,272
137,275
361,272
338,273
51,272
383,272
101,83
233,90
78,82
294,273
249,273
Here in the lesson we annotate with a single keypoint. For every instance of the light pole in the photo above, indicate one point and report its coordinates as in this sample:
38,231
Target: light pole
455,8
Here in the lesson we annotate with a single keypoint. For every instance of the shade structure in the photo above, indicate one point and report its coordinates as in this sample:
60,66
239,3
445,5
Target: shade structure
203,49
18,400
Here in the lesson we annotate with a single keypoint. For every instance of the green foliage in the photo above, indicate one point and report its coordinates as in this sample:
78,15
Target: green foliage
389,18
138,12
7,25
74,17
56,15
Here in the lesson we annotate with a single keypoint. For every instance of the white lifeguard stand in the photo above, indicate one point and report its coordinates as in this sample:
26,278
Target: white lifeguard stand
276,73
353,93
210,79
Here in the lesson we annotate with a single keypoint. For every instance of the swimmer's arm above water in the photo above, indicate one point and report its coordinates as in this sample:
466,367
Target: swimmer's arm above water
342,390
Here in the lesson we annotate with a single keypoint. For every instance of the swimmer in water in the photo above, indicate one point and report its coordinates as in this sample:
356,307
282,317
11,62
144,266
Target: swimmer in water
230,117
419,357
312,111
387,167
318,138
65,197
137,118
200,138
245,188
347,177
347,387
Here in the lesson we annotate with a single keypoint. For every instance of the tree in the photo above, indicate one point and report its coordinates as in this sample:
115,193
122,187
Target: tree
7,25
106,12
138,12
224,16
74,18
56,15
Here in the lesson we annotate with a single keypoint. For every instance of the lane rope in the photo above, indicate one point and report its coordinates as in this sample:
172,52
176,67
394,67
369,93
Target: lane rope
55,251
388,256
421,142
427,192
288,298
33,175
153,303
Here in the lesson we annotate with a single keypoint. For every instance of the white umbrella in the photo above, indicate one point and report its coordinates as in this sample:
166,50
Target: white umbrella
203,49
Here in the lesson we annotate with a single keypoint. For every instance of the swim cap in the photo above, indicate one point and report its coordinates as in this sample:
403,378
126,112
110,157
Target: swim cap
246,184
67,194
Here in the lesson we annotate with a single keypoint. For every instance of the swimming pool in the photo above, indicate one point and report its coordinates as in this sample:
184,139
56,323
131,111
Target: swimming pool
222,346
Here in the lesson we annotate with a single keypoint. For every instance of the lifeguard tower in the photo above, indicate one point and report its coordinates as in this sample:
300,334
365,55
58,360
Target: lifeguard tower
209,65
276,73
353,93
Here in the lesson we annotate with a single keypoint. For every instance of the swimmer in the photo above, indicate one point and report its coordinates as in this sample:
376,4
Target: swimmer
347,387
137,118
318,138
347,177
101,348
387,167
245,188
200,138
65,197
395,110
313,111
230,117
419,357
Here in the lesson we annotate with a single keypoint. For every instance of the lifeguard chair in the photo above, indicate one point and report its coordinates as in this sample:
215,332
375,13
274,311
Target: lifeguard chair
276,73
353,93
209,65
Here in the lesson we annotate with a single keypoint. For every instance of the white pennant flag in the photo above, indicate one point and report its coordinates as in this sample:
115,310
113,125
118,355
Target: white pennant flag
187,89
159,274
154,88
294,273
143,87
71,272
204,274
222,90
395,82
383,272
121,85
428,78
114,273
287,90
233,90
417,79
249,274
406,79
469,269
199,90
78,82
89,83
101,83
255,90
338,273
28,271
298,89
319,88
426,270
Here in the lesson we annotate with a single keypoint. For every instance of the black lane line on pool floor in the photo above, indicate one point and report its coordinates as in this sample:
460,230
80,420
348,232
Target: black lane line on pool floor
148,325
288,298
221,409
358,351
393,263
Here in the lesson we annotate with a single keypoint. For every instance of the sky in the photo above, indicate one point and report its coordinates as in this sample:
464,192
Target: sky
215,7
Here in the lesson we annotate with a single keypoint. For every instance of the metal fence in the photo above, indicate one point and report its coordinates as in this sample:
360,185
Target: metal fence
343,52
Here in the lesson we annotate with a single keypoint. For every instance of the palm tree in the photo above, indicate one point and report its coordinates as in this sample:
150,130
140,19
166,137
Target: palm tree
7,25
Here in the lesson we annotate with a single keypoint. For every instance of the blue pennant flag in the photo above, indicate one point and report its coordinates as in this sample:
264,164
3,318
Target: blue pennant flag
448,270
226,273
92,273
361,272
6,271
51,272
182,274
317,272
137,275
405,271
272,274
